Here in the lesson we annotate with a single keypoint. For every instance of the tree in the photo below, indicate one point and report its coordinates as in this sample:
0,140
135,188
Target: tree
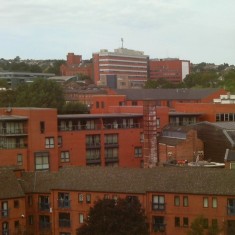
115,217
74,108
199,226
41,93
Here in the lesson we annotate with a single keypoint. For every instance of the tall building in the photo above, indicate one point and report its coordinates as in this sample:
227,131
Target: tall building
122,68
171,69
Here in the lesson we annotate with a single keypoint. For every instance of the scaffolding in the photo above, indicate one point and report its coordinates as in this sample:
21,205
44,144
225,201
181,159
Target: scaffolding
150,134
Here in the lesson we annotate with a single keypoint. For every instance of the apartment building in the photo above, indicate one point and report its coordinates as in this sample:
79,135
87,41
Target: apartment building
59,202
123,68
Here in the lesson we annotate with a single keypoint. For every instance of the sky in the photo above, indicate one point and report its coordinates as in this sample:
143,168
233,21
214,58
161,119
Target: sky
195,30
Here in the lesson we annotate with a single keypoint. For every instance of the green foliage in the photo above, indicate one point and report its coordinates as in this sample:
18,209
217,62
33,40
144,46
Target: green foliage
229,81
198,227
110,217
7,98
41,93
54,67
160,83
74,108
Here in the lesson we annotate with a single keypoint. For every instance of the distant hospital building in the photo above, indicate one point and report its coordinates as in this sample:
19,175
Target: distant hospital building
123,68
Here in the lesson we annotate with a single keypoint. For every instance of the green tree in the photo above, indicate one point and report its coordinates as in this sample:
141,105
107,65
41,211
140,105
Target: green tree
115,217
41,93
55,67
74,108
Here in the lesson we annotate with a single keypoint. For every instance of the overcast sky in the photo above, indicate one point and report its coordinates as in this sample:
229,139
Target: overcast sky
196,30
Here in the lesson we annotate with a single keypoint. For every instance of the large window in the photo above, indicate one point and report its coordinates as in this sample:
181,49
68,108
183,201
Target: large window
225,117
111,153
185,201
158,202
64,156
63,200
111,139
214,202
185,222
49,142
231,206
93,140
64,220
19,159
205,202
177,221
41,160
177,200
4,209
44,204
44,222
158,224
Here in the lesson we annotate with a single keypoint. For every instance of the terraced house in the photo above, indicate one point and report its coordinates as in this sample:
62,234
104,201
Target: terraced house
59,202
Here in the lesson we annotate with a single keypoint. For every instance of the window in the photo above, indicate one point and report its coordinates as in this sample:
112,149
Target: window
177,201
42,127
64,156
102,104
44,203
158,122
138,151
17,224
205,202
185,201
231,206
177,221
41,160
64,220
158,202
134,103
88,198
111,153
111,139
63,200
214,202
60,141
5,228
16,204
205,223
93,154
97,104
19,159
44,221
4,209
106,196
158,224
214,222
30,219
30,200
80,197
185,222
49,142
93,140
81,218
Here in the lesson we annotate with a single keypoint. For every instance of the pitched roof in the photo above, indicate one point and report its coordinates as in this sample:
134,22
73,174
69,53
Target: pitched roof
132,180
166,94
9,185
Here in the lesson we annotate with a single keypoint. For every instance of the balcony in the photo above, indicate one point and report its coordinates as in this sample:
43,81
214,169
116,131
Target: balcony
93,160
13,132
111,145
121,126
158,206
65,223
110,159
62,203
79,127
12,146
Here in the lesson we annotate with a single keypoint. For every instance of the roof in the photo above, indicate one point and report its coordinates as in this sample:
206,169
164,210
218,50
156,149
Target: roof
62,78
12,117
225,125
170,141
229,155
167,94
133,180
9,185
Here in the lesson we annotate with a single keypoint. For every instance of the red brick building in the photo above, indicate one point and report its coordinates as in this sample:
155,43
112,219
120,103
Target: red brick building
75,65
59,202
173,70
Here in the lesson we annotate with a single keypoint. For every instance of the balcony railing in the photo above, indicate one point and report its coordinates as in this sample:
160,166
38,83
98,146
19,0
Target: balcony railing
64,223
13,131
93,160
62,203
158,206
111,159
113,144
5,231
92,145
44,206
12,146
98,127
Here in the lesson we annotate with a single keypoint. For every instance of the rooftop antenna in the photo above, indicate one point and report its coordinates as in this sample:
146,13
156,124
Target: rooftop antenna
122,42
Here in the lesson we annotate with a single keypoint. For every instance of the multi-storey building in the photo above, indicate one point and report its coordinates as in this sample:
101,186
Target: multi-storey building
122,68
59,202
172,70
